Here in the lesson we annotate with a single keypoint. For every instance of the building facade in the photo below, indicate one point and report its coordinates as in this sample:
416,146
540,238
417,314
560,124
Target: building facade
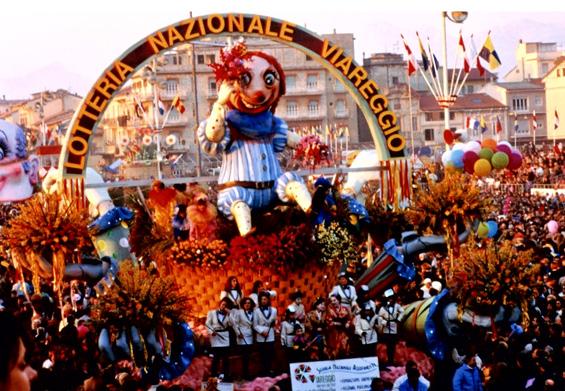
314,100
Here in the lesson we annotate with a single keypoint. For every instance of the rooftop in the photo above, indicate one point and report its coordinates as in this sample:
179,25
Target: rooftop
466,102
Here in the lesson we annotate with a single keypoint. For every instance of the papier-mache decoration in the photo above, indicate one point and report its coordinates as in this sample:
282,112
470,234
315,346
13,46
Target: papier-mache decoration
242,128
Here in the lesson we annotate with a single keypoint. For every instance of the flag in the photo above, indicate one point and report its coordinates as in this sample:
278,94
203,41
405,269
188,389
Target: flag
425,59
483,125
411,59
139,110
534,121
498,125
476,124
477,59
160,105
467,122
466,63
177,104
489,54
435,62
556,121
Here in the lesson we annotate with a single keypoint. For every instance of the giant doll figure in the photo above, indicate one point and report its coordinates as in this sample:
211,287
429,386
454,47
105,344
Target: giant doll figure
18,172
243,128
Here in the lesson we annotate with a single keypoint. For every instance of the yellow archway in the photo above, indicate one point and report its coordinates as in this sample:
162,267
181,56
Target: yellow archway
383,123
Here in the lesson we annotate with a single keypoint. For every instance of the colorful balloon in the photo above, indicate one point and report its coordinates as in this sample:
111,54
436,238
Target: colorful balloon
457,157
552,226
474,146
486,153
482,167
515,161
500,160
489,143
446,157
492,228
482,230
504,148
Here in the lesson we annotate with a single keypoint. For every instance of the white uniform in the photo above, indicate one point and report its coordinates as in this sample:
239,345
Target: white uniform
389,317
348,295
233,295
362,325
264,322
242,323
287,333
220,324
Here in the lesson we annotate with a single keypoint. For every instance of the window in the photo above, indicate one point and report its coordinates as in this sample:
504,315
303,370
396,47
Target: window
308,58
538,101
429,134
429,117
544,69
311,81
290,82
470,89
313,107
174,115
177,60
451,115
212,88
200,59
338,86
519,104
171,87
394,80
291,108
340,109
210,58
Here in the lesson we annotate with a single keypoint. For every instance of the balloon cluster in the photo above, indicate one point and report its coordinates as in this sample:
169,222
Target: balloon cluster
487,229
480,158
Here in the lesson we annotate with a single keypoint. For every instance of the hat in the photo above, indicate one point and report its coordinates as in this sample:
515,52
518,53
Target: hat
426,281
291,309
389,293
365,288
318,301
436,285
342,274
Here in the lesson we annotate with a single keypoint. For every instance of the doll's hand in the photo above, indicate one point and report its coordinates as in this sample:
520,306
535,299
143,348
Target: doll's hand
224,93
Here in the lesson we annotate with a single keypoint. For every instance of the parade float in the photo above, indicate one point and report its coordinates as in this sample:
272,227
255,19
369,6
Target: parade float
269,225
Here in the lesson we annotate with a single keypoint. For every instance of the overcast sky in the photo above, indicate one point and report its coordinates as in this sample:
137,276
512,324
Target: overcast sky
68,43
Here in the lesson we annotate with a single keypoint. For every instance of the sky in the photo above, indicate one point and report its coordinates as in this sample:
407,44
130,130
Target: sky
68,43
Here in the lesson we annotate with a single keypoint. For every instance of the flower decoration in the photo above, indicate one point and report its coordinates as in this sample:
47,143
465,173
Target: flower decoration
230,67
312,152
290,248
199,253
485,278
142,298
335,244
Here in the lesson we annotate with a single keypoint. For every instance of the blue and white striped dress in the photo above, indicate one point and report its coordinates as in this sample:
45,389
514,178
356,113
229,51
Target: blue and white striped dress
252,160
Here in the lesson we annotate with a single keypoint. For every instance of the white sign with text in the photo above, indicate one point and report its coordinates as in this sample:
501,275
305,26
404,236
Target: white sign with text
339,375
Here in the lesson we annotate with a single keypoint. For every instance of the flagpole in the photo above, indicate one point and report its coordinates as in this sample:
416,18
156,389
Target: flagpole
435,95
410,114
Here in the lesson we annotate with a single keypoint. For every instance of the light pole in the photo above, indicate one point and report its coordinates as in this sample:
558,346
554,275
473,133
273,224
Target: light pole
151,74
446,101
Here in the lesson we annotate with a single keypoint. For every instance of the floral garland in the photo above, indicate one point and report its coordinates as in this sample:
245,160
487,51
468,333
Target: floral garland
288,249
231,66
199,253
486,277
335,244
141,298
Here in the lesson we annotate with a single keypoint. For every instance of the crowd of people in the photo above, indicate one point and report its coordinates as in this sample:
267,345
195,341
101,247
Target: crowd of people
56,344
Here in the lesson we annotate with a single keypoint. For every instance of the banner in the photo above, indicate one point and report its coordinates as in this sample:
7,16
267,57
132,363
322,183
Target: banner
338,375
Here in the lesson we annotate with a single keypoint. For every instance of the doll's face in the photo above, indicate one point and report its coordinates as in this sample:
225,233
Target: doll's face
18,173
258,88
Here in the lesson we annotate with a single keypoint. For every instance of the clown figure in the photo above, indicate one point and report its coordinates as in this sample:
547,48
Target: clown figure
243,128
18,172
